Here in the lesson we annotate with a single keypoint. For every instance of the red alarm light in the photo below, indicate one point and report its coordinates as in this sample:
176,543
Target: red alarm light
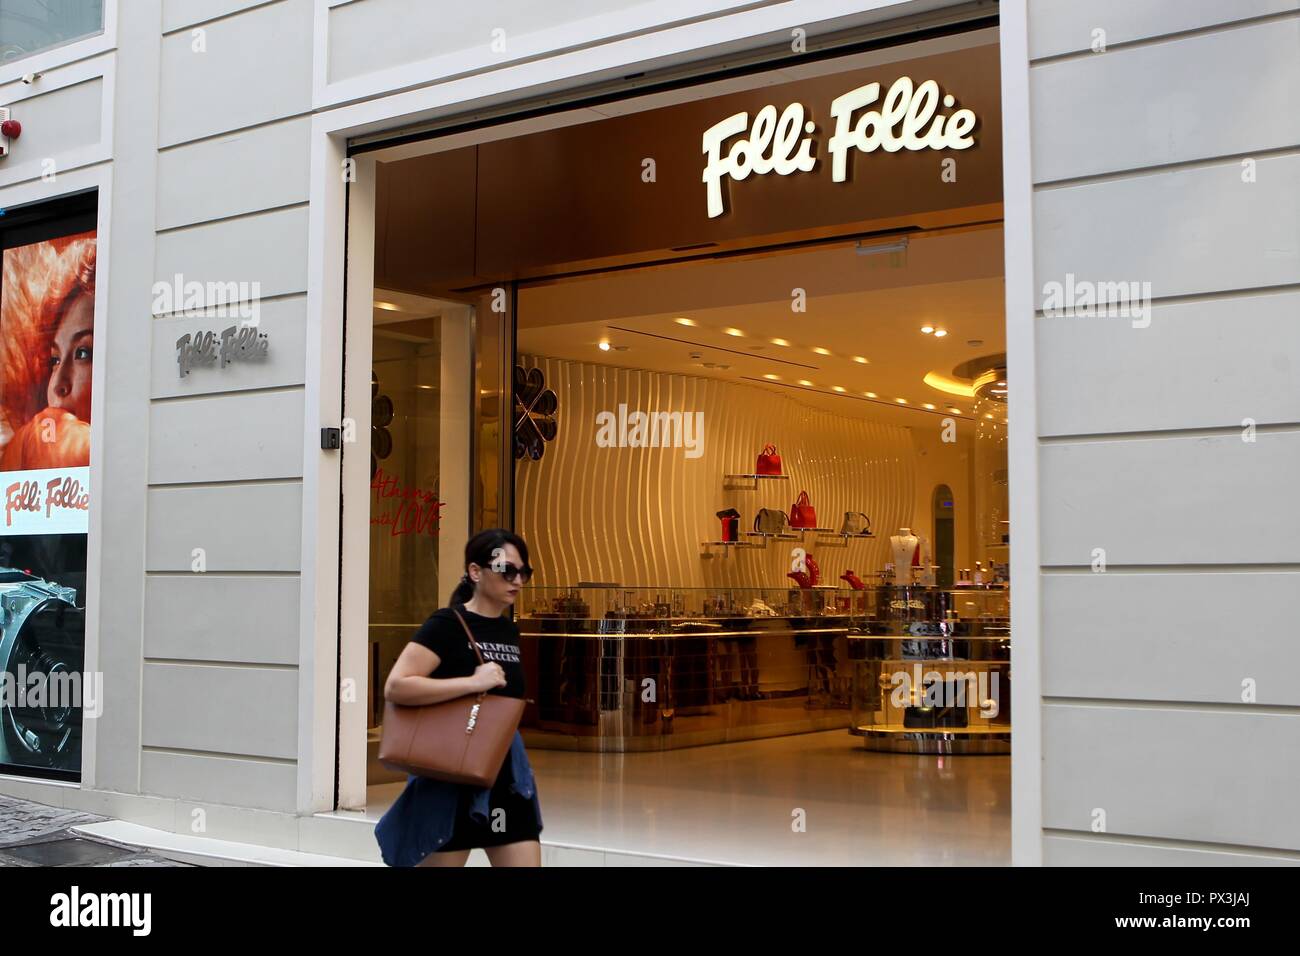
11,129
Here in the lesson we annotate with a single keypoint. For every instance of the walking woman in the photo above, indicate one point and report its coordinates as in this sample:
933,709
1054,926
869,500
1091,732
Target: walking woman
435,823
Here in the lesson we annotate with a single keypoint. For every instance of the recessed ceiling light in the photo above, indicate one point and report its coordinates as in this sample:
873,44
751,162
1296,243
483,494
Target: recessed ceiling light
940,333
928,405
861,360
955,411
821,351
735,332
804,381
781,342
388,306
927,329
681,321
988,416
771,377
837,388
871,394
604,346
901,401
424,386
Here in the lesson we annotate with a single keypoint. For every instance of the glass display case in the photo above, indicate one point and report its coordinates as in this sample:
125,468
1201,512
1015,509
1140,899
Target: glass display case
636,668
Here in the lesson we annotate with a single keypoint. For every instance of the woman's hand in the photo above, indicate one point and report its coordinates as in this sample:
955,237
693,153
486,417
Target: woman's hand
487,676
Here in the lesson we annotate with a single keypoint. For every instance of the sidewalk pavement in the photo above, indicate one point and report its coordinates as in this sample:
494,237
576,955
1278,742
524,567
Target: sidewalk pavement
33,834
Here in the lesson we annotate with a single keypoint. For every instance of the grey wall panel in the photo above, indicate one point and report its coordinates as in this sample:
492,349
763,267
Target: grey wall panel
1081,851
1184,231
242,783
54,124
244,172
1185,500
227,438
227,710
215,617
362,39
1236,358
269,249
239,527
1184,111
1215,776
184,13
1177,637
1064,26
282,320
256,67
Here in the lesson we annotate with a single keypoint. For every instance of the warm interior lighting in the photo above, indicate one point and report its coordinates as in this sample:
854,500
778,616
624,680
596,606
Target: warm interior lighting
781,342
735,332
861,360
901,401
604,346
927,329
928,405
804,381
681,321
871,394
949,385
388,306
774,378
837,388
821,351
940,333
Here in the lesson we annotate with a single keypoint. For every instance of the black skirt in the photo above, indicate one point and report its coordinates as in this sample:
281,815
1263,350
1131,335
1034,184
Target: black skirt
519,823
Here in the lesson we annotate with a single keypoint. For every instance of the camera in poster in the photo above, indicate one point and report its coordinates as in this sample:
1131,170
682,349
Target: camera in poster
47,308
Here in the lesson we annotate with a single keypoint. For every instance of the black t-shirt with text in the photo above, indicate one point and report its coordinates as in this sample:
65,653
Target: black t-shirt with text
498,641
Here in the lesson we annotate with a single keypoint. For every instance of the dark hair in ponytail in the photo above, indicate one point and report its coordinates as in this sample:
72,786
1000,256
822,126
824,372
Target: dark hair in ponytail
478,550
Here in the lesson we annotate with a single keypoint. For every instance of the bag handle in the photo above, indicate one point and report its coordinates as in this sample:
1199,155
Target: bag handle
803,498
472,643
769,449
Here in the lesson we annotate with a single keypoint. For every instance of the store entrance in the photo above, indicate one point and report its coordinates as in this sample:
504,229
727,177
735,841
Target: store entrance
729,490
738,378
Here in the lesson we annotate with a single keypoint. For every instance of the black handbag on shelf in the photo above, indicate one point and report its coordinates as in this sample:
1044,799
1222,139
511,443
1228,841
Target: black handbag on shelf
771,521
855,522
730,524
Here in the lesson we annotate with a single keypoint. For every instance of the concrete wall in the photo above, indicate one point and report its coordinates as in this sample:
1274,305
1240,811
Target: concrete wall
1173,157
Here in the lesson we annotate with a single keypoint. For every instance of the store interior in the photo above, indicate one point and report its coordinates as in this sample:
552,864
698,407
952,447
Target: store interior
765,490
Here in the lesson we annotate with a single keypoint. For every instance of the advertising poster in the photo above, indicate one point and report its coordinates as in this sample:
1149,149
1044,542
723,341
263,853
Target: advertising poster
47,309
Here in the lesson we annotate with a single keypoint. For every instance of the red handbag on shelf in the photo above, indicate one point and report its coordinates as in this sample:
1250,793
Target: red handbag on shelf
769,462
854,581
802,513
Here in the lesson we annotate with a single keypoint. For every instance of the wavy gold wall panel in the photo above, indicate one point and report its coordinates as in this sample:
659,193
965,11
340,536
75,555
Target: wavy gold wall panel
637,516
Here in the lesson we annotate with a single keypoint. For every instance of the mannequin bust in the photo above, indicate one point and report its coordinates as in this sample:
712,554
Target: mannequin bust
902,547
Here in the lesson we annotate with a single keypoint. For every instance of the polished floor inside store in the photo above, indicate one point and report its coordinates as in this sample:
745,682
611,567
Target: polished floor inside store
735,803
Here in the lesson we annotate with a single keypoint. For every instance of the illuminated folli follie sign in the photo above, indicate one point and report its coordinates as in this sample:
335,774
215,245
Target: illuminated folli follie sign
908,117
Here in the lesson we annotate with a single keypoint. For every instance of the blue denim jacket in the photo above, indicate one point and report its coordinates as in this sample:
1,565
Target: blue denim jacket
423,817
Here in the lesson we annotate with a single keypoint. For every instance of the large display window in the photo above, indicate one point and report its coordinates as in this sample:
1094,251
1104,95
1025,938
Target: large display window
47,331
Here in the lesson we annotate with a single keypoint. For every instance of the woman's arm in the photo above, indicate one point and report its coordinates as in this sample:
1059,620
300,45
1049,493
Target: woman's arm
408,685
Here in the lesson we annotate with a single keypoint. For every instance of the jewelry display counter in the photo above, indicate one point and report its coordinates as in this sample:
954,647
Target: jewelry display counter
631,669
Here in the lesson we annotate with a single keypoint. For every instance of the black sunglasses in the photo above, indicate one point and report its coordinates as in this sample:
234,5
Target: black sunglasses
512,573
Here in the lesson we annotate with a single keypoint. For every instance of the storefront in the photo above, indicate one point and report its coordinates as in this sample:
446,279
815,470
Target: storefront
739,378
573,268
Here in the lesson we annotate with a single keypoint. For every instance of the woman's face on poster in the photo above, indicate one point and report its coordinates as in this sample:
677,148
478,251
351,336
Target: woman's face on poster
70,359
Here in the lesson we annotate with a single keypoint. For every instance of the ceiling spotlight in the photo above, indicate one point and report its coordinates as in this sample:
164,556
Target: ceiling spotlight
861,360
604,346
927,329
989,417
871,394
940,333
388,306
781,342
804,381
928,405
773,378
901,401
735,332
837,388
821,351
955,411
683,321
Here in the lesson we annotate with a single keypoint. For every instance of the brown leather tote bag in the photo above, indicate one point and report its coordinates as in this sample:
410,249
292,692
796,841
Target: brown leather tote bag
464,740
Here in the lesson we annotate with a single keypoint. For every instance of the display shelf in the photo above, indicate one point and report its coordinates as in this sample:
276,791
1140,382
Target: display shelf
782,536
727,544
758,477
